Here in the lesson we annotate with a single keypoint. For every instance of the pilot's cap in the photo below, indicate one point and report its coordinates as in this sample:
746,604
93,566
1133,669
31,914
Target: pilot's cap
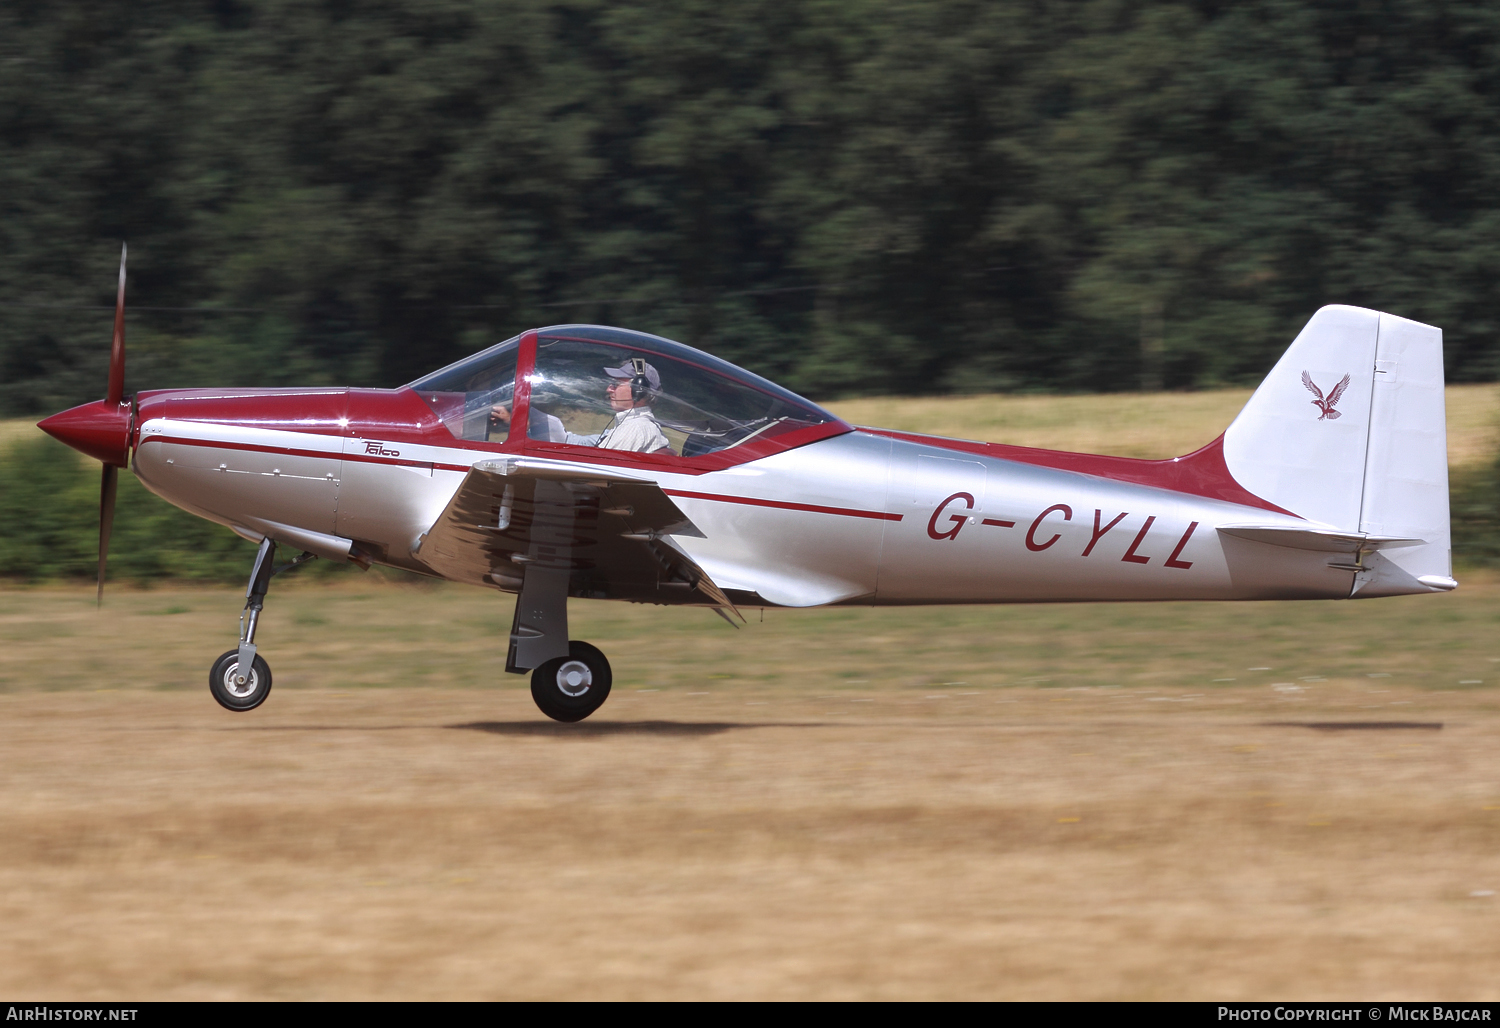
633,367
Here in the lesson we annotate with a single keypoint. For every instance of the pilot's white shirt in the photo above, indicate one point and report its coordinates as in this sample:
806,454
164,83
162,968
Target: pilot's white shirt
635,430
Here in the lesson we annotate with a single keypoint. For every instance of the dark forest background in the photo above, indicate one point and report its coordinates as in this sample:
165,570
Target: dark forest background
849,196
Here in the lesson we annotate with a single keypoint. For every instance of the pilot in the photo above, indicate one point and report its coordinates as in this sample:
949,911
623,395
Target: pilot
630,390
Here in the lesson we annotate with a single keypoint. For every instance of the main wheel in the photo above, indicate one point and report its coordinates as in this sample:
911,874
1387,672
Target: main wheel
229,692
573,687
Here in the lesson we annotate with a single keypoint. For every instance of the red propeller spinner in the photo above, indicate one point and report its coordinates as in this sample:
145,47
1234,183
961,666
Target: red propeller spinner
102,429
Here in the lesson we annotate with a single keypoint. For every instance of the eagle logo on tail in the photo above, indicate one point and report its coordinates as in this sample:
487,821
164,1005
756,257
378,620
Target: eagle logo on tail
1327,404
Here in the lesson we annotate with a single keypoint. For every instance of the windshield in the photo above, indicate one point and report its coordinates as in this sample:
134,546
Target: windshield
473,397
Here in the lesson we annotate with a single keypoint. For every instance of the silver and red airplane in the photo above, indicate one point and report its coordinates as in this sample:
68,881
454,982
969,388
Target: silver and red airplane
584,461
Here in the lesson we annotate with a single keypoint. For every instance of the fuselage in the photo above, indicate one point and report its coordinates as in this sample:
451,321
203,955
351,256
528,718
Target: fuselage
855,516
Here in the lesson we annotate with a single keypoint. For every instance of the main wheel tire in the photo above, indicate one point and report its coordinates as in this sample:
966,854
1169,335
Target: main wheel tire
573,687
230,694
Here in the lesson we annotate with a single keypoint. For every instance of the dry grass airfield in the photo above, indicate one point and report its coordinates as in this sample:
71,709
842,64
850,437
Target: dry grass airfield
1051,802
1163,801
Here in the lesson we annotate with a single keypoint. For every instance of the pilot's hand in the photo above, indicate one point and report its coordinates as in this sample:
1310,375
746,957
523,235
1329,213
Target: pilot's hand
501,413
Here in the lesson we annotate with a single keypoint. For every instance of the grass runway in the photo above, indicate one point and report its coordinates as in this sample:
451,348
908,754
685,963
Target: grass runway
1010,802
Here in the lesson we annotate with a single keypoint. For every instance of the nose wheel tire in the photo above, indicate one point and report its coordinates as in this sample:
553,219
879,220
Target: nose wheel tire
223,682
573,687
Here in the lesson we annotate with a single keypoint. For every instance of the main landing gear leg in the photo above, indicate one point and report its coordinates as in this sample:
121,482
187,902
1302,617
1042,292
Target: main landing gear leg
240,679
569,679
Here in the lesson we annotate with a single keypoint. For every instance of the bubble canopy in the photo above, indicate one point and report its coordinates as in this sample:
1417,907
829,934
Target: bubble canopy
585,381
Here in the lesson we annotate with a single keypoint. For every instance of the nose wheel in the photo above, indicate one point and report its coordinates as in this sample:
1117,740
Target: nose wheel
232,685
573,687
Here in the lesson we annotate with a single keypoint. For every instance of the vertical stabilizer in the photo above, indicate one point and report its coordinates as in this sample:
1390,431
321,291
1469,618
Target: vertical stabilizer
1301,440
1349,431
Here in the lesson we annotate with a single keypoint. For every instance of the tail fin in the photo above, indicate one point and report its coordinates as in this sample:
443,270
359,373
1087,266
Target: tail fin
1349,430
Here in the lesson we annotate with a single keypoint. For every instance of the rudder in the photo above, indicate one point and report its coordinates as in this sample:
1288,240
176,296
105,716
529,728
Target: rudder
1406,466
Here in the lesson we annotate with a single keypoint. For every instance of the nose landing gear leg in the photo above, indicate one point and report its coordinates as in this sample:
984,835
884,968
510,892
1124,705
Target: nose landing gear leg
240,679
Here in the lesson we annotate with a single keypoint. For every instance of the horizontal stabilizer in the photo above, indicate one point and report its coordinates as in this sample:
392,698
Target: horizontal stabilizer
1324,540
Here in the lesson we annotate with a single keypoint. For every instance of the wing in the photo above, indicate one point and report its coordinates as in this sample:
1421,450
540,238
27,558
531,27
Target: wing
1307,381
611,531
1337,391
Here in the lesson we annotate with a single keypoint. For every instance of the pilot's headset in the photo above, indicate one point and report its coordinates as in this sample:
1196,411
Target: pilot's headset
640,384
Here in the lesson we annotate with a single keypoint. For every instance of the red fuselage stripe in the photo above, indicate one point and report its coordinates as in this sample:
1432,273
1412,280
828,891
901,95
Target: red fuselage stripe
847,512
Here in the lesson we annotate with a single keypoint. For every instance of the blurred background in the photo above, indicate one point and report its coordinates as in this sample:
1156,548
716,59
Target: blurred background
852,197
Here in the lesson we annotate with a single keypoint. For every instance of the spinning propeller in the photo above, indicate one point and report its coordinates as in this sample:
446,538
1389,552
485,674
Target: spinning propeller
102,429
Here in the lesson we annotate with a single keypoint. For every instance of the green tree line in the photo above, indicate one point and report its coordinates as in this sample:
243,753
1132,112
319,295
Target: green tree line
848,196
